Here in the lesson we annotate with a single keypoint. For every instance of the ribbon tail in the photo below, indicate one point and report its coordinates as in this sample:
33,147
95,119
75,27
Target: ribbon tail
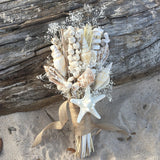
110,127
63,118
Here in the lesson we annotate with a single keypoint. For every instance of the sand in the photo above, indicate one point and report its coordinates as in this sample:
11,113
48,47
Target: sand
135,107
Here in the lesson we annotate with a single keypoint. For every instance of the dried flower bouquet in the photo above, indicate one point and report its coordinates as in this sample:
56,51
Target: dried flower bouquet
80,72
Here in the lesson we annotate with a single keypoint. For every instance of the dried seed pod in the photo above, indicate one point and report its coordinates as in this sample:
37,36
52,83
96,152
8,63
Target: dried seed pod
87,78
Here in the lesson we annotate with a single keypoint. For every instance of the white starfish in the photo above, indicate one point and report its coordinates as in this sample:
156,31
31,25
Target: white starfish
87,104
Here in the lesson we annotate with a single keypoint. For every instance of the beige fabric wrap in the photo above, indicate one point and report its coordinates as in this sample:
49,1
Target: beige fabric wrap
82,128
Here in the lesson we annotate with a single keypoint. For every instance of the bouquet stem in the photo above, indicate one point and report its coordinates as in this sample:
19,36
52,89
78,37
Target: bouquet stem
84,145
83,137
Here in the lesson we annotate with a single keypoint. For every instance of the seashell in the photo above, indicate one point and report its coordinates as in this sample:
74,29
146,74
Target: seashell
76,45
87,104
86,53
70,49
107,40
98,41
97,32
58,60
71,40
79,33
70,79
95,47
87,78
76,74
78,51
70,58
55,77
74,64
75,86
103,78
76,57
93,58
55,40
71,68
65,88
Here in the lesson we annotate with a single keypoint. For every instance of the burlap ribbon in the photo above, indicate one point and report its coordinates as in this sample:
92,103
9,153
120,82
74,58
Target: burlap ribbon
82,128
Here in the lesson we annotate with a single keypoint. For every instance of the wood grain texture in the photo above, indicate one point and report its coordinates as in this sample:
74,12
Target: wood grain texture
133,26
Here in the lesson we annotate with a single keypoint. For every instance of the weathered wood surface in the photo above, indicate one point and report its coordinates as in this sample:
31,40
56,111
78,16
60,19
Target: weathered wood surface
133,26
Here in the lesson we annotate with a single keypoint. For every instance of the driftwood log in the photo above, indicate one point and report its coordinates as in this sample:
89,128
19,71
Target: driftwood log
133,26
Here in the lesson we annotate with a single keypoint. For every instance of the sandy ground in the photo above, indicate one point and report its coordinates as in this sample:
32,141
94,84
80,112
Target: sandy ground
135,107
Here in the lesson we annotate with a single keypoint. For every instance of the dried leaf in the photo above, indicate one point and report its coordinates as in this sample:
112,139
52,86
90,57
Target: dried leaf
72,150
110,127
1,145
54,125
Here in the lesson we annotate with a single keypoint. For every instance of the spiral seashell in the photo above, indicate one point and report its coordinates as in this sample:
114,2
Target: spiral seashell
103,78
58,60
86,53
87,78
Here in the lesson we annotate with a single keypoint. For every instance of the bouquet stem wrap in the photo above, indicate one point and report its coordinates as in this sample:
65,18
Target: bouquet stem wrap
82,130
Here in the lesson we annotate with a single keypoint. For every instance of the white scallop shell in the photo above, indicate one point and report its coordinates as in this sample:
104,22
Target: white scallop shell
103,78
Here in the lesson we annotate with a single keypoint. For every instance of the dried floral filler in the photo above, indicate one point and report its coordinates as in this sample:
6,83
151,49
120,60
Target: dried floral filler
80,72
